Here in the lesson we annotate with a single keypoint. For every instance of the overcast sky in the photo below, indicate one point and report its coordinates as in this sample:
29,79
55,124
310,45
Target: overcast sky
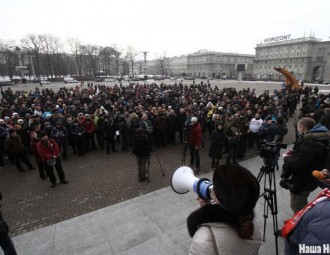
174,27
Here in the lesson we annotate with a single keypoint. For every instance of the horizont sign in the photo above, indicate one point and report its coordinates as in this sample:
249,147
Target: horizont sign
277,38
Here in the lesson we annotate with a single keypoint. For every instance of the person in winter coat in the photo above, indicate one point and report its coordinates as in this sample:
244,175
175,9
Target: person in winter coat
276,130
233,134
142,149
325,119
50,156
60,135
254,127
309,154
109,130
195,142
309,228
99,131
6,242
171,127
226,226
217,140
3,137
15,148
78,133
123,131
90,129
33,147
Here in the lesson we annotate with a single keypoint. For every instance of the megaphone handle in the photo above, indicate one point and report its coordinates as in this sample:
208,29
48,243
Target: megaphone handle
198,185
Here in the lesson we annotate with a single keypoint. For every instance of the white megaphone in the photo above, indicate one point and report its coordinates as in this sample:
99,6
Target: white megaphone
183,180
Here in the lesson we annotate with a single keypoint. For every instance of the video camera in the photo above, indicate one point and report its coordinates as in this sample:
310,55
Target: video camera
183,180
270,150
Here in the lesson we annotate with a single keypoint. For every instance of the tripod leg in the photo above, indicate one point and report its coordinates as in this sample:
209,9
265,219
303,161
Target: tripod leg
270,203
160,166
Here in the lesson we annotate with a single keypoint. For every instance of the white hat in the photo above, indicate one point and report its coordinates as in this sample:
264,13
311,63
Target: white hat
194,120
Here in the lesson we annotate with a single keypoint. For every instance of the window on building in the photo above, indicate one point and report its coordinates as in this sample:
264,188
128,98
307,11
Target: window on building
302,65
296,66
284,66
319,59
320,50
289,66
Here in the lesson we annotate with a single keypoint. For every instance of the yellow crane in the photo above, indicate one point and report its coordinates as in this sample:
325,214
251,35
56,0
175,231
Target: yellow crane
290,79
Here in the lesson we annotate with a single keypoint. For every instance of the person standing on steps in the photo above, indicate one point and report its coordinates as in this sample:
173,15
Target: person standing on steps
50,155
195,142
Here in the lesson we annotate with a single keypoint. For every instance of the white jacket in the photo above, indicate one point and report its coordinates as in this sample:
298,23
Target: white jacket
255,125
227,240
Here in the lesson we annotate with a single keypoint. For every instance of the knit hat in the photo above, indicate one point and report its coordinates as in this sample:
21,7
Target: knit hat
236,189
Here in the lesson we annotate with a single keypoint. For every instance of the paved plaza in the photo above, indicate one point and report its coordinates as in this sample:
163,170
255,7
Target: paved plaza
154,223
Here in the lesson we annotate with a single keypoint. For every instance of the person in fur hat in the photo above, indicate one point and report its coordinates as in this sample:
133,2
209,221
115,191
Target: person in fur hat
226,226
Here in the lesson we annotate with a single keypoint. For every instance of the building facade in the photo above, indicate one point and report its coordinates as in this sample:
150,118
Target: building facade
218,64
306,58
177,66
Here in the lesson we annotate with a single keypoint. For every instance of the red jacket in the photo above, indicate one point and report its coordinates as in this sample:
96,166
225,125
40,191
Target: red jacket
47,152
195,135
89,125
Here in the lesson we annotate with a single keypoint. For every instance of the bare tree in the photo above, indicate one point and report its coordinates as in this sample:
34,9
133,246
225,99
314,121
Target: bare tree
50,49
76,47
33,42
162,63
131,54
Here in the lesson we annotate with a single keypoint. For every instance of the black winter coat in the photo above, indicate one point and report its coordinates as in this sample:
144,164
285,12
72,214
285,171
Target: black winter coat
217,141
141,146
309,155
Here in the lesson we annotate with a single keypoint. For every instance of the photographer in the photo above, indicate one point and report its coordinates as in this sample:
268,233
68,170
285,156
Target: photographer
272,130
309,154
141,149
227,226
5,241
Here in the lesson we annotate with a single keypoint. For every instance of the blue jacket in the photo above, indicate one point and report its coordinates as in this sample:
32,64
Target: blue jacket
312,230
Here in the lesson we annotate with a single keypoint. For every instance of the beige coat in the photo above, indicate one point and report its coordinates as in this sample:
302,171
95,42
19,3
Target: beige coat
227,239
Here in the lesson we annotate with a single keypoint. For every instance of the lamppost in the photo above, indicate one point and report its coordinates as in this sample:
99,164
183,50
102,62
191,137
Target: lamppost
145,61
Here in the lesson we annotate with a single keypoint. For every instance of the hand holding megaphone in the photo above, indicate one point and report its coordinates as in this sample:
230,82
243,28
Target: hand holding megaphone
183,180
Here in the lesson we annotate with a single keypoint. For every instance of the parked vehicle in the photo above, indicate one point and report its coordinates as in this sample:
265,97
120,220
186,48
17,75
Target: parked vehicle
326,82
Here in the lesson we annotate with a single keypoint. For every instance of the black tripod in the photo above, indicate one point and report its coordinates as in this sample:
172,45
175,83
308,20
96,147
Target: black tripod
270,200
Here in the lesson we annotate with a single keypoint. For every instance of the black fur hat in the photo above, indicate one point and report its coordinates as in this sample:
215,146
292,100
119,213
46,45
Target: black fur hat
236,188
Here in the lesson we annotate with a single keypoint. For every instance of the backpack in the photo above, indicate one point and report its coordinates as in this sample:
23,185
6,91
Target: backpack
326,161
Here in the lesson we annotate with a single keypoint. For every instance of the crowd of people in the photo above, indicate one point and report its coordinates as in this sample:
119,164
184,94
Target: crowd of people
96,116
141,117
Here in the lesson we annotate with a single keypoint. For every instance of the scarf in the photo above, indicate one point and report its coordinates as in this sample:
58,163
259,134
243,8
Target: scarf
290,224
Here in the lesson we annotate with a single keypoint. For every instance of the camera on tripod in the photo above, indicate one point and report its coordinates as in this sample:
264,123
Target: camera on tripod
270,150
